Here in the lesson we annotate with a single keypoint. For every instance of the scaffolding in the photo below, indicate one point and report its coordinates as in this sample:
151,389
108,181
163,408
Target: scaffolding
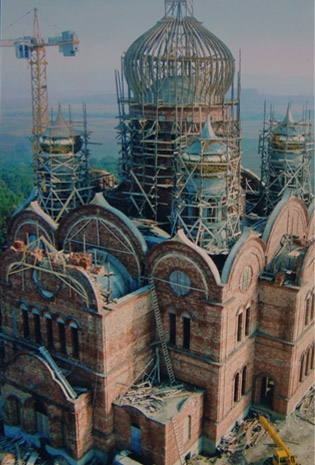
208,201
62,167
286,149
177,74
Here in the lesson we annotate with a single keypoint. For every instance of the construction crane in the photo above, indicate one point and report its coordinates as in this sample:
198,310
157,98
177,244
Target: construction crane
33,49
282,454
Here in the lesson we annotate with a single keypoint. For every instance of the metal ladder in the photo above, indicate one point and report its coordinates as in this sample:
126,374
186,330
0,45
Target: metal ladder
160,328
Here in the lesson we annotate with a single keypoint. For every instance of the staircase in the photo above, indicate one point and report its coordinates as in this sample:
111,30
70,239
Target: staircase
161,330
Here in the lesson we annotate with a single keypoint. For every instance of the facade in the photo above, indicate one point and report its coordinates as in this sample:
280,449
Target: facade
154,316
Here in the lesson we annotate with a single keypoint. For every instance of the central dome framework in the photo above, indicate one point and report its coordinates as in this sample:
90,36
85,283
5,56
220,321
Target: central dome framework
178,61
175,77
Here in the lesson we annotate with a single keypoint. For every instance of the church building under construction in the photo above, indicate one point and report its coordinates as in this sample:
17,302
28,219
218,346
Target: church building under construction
155,314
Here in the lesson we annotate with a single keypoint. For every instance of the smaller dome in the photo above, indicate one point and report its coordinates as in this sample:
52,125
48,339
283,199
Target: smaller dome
60,137
288,135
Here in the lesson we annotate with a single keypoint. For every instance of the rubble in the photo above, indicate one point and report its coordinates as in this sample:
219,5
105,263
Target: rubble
150,397
305,410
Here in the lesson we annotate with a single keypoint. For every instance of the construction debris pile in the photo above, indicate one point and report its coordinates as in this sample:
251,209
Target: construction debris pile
305,409
151,398
243,436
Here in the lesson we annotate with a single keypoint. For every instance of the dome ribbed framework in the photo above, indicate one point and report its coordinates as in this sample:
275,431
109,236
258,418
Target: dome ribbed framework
179,61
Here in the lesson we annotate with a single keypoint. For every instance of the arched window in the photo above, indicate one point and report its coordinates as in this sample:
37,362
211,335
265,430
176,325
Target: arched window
302,368
42,423
37,326
237,387
312,357
186,332
26,323
244,380
172,328
49,331
308,309
239,326
62,336
75,347
247,321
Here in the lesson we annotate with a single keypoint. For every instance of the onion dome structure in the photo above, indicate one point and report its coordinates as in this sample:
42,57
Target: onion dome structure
208,209
179,61
174,77
287,149
60,137
62,169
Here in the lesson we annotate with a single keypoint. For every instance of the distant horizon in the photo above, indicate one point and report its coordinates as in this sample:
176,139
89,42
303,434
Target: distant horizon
273,41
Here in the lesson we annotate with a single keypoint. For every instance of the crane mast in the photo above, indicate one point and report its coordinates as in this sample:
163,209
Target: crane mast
33,48
38,65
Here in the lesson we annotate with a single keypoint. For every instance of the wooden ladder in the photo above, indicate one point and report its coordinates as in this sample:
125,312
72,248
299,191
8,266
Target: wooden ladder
160,328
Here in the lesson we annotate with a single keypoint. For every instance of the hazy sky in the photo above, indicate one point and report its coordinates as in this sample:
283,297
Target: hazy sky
276,39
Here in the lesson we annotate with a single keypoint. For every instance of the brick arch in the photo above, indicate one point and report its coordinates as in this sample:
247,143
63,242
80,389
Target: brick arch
105,229
289,217
28,223
248,252
182,255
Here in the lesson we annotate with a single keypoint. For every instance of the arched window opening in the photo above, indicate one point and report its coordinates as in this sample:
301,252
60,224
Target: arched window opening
308,309
26,322
302,368
247,321
244,380
237,387
62,336
239,327
74,340
307,363
172,328
186,332
267,392
37,328
42,423
49,332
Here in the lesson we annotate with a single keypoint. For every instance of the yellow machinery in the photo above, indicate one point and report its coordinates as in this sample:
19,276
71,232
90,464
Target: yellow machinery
282,454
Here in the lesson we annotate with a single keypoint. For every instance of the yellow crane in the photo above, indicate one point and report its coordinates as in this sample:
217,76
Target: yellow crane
282,454
33,49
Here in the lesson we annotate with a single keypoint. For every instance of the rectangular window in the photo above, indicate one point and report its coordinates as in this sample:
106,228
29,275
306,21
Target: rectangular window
172,321
186,332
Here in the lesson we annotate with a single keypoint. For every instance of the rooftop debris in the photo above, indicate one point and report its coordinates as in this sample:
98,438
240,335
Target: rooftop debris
150,397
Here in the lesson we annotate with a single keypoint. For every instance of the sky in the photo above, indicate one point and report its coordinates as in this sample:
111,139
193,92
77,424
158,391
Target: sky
275,38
